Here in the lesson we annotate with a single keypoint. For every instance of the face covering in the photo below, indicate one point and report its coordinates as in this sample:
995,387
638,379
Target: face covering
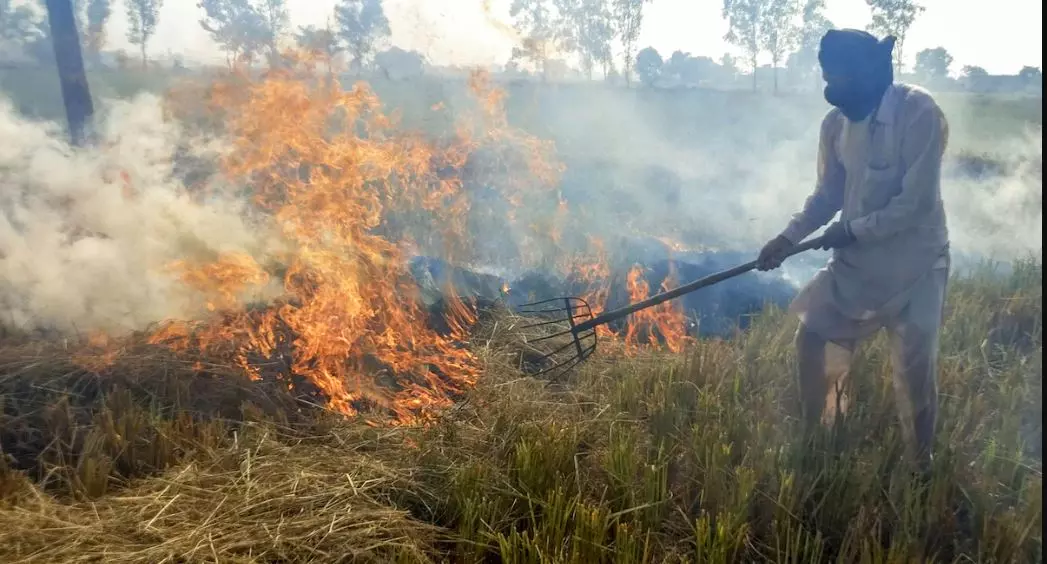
859,70
855,103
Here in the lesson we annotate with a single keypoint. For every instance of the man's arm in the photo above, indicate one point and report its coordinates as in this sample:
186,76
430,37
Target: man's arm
827,198
922,148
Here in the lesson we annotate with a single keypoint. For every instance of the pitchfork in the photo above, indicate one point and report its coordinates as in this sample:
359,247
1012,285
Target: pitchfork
574,317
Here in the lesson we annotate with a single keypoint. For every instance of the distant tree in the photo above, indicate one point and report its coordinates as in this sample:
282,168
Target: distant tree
803,64
972,71
1031,73
1031,77
534,21
236,26
318,42
648,65
729,63
628,17
693,71
894,17
98,12
361,26
933,64
586,28
744,18
398,64
142,15
780,32
974,77
275,21
674,66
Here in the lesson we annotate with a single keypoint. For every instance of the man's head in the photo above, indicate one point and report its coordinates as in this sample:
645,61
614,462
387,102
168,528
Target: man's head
857,69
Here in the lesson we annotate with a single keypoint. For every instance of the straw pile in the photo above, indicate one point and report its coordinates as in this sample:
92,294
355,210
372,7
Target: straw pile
259,501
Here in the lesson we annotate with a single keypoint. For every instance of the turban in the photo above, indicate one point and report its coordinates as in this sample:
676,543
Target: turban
846,50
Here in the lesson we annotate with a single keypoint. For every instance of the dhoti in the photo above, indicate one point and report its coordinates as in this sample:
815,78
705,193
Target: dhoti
827,338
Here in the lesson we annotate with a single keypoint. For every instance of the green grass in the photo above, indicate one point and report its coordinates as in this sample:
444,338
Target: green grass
658,458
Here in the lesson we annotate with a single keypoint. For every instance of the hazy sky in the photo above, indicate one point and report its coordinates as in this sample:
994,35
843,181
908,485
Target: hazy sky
1001,36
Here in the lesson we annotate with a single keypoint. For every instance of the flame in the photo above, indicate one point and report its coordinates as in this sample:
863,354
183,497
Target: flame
350,192
649,329
334,310
664,322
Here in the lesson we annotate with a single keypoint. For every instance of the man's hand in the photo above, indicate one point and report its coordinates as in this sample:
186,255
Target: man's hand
837,236
773,253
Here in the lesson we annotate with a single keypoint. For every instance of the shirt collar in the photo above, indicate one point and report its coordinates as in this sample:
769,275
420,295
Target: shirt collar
888,106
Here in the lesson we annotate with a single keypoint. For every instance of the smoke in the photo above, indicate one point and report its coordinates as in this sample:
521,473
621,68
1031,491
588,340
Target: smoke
999,212
88,237
726,170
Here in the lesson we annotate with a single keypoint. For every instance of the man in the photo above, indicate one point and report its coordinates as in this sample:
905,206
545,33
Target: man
879,165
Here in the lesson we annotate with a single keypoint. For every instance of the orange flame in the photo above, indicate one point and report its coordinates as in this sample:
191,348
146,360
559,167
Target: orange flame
350,191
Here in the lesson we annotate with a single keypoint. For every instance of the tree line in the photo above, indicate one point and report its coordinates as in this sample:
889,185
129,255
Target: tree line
246,30
25,26
601,35
786,30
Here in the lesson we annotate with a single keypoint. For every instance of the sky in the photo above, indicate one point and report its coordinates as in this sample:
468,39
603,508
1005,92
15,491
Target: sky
1002,39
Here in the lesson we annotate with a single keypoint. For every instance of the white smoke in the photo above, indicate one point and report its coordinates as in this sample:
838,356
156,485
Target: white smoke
83,250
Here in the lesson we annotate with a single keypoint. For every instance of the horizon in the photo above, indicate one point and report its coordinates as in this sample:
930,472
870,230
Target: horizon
1009,36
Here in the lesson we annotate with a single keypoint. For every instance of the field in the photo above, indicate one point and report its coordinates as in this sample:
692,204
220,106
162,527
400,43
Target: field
165,456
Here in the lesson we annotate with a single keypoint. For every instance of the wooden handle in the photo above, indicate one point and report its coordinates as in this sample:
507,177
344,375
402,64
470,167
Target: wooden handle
715,278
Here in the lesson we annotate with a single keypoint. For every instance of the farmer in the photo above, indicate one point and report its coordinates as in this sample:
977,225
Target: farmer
879,165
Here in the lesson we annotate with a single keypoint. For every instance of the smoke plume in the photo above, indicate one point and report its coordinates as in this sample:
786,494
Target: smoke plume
88,237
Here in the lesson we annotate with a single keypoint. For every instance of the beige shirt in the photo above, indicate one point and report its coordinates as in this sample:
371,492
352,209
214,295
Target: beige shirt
883,175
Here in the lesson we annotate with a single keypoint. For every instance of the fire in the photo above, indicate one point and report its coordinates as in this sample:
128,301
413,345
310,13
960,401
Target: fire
350,191
350,194
665,322
645,329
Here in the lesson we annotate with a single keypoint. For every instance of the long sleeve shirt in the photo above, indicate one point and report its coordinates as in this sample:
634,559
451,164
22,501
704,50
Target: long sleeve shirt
883,175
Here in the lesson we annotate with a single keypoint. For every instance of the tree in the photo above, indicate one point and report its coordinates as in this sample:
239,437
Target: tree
76,94
533,20
628,17
397,64
974,72
361,26
236,26
729,63
1031,77
974,77
318,42
98,12
933,64
894,17
142,15
648,65
586,27
275,19
744,18
780,31
803,64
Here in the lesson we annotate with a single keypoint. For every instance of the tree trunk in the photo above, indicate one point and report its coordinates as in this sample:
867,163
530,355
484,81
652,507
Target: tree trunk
76,93
753,61
774,69
628,66
144,63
